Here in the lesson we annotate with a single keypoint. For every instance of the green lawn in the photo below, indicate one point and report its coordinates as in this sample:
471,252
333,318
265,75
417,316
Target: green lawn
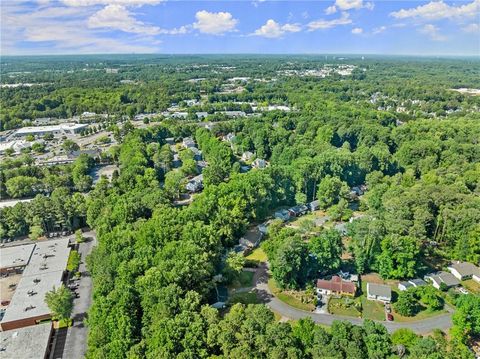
288,298
471,285
343,306
244,298
258,255
424,314
373,309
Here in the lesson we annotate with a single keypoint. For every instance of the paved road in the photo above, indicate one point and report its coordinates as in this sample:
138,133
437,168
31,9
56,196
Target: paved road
76,340
443,321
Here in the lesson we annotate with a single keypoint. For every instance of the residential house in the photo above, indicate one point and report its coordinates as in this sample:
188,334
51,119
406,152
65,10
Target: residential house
379,292
247,156
442,277
195,184
404,285
201,115
197,154
298,210
417,282
336,286
465,270
259,163
170,141
188,142
176,163
229,137
283,214
314,205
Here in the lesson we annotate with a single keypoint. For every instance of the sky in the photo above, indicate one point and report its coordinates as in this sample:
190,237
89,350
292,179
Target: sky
250,26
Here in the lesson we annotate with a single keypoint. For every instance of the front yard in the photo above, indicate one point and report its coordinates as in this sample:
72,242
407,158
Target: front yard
297,299
372,309
345,306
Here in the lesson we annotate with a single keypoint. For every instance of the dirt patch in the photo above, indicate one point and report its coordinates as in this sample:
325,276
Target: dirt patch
6,293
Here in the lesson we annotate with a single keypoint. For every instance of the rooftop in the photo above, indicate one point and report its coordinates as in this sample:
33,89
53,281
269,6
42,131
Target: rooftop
25,343
48,256
15,256
52,128
466,269
337,284
380,290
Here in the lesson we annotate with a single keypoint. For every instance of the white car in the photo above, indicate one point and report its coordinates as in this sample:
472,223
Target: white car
463,290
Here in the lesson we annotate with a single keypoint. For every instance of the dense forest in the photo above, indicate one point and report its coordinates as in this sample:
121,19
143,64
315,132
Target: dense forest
156,265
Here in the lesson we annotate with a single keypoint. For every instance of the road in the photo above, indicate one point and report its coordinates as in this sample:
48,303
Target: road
76,339
424,326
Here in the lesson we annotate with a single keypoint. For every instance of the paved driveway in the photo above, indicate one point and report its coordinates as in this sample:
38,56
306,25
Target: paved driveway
76,340
424,326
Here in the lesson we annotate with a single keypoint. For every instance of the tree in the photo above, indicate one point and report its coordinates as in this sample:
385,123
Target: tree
291,265
60,302
233,265
70,146
430,297
79,236
407,303
327,250
330,190
466,319
174,184
22,186
399,257
404,336
73,261
36,232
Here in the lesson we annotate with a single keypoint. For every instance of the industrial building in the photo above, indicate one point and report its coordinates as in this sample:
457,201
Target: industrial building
27,343
62,129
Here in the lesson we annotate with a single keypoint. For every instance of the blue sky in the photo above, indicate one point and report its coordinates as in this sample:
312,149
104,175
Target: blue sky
250,26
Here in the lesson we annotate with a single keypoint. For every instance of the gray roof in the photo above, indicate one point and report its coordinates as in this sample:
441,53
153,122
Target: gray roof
405,284
15,256
444,277
417,282
379,290
26,343
466,269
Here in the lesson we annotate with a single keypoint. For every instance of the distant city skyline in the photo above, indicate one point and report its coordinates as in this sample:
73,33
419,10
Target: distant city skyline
253,27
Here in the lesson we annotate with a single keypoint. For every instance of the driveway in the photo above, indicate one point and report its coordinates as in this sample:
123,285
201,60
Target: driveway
424,326
76,339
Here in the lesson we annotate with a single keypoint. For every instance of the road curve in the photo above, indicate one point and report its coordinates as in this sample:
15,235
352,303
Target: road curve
443,321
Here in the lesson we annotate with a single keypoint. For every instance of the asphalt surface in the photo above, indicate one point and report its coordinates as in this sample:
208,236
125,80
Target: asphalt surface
424,326
76,339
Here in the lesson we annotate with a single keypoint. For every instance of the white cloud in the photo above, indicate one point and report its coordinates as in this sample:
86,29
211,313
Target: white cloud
357,31
432,32
119,18
353,4
472,28
111,2
327,24
379,30
437,10
273,29
214,22
331,10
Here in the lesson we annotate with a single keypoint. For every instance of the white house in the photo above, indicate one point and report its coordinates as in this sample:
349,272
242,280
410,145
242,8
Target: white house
465,270
380,292
442,277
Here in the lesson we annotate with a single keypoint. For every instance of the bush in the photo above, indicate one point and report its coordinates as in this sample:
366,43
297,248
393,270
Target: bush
407,303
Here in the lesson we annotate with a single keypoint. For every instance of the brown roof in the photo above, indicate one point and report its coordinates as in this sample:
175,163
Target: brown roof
336,284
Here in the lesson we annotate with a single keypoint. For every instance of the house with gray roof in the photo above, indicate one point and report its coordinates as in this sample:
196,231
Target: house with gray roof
379,292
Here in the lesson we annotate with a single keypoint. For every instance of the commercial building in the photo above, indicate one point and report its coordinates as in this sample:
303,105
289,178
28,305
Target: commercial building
43,269
26,343
62,129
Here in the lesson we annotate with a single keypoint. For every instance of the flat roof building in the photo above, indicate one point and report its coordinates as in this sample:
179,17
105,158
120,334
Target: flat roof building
15,257
62,129
26,343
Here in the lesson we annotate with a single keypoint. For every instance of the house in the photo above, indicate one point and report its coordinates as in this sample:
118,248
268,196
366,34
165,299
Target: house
336,286
341,228
170,141
404,286
197,154
465,270
188,142
259,163
417,282
442,277
380,292
298,210
201,165
195,184
229,137
201,115
283,214
251,238
176,163
263,227
247,156
314,205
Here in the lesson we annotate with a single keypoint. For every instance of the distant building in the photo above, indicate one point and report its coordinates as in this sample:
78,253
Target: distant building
314,205
341,228
195,184
197,154
201,115
379,292
336,286
402,286
247,156
283,214
465,270
229,137
298,210
442,277
188,142
62,129
259,163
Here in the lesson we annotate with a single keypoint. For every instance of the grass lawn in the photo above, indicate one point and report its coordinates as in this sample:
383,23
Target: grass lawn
343,306
373,309
288,297
244,298
258,255
424,314
472,286
245,279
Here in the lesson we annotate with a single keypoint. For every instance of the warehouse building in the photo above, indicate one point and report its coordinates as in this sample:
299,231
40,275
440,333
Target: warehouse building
39,131
27,343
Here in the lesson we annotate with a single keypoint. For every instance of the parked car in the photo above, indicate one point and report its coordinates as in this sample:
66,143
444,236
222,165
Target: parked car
5,302
390,317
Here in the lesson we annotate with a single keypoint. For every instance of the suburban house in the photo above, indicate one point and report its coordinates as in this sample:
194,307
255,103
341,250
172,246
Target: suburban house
197,154
314,205
170,141
195,184
380,292
336,286
176,163
283,214
465,270
188,142
413,283
442,277
247,156
298,210
229,137
259,163
251,238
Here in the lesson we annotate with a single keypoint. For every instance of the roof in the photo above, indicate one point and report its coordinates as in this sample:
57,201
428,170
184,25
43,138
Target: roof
379,290
444,277
52,128
26,343
465,269
417,282
11,203
48,256
405,284
15,256
336,284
